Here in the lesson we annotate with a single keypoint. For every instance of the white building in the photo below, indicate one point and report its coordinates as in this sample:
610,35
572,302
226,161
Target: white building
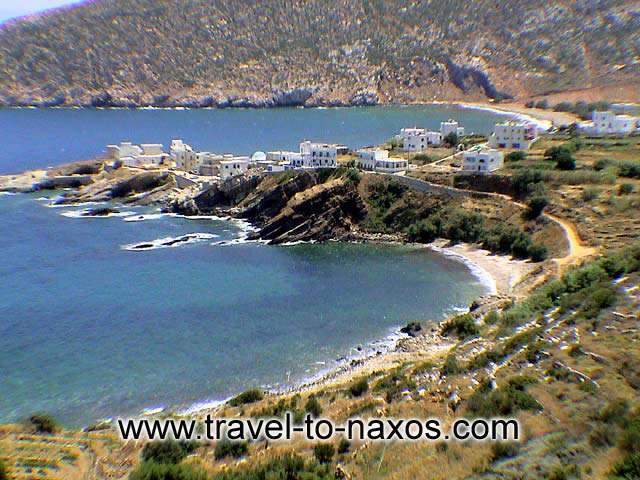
451,126
137,156
609,122
319,155
483,161
367,157
208,164
511,134
378,160
282,155
418,139
184,156
152,154
232,166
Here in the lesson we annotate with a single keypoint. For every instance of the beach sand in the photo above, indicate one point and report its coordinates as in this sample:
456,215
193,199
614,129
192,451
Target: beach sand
544,118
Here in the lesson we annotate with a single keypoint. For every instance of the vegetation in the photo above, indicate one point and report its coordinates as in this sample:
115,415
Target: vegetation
505,400
463,326
343,446
451,139
313,407
250,396
562,157
167,451
515,156
324,452
582,109
450,366
227,448
4,472
43,423
393,384
286,467
166,471
359,387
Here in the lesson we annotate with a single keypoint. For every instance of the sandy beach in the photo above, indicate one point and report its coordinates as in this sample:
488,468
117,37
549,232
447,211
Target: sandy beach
544,118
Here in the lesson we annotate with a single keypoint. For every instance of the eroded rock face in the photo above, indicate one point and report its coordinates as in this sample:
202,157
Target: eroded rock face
326,211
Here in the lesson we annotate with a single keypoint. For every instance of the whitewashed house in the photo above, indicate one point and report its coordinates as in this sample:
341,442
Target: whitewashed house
127,153
148,154
451,126
152,154
183,156
418,139
519,135
208,164
232,166
483,161
609,123
367,157
318,155
378,160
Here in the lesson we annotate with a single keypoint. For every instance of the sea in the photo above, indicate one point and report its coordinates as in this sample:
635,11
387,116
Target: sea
92,327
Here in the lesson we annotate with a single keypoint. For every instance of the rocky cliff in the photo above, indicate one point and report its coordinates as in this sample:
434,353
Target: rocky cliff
227,53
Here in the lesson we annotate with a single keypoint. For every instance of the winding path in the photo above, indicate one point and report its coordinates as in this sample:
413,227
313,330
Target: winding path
577,249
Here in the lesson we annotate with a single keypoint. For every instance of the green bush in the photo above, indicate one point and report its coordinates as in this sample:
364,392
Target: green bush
393,384
627,469
503,401
343,446
626,189
630,437
500,450
166,471
562,157
423,231
629,169
43,423
359,387
538,252
450,366
615,411
537,200
167,451
324,452
463,326
313,407
226,448
516,156
589,194
250,396
451,139
602,435
464,226
491,318
4,472
543,104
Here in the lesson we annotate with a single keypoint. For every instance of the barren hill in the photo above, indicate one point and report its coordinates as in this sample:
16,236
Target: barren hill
293,52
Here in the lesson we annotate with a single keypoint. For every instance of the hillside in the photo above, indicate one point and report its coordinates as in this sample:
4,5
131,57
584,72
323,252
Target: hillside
270,53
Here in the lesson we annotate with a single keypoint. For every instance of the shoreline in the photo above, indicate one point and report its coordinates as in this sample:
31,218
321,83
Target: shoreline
388,352
499,274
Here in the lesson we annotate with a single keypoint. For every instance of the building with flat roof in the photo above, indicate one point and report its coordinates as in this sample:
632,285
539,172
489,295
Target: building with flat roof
519,135
483,161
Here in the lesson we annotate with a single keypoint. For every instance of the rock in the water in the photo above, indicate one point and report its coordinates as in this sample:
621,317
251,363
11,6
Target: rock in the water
413,329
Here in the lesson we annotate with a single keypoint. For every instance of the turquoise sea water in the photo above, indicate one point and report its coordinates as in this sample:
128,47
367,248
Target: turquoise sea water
89,329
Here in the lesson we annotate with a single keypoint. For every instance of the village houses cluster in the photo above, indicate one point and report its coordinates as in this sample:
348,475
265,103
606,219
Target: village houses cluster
483,159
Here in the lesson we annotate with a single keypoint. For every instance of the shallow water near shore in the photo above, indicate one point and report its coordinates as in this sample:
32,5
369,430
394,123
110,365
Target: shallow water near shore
89,329
41,138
